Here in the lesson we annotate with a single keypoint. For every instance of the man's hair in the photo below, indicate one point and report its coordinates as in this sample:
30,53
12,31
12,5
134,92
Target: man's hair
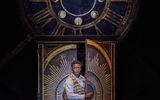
76,62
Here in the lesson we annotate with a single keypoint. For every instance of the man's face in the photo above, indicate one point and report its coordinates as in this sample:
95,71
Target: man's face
76,69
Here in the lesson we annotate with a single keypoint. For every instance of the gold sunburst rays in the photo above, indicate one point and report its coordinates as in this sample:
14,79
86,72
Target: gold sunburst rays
55,76
64,64
96,68
100,71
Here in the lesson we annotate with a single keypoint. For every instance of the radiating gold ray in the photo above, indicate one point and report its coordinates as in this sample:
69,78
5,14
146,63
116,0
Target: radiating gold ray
48,80
49,83
54,74
54,71
64,64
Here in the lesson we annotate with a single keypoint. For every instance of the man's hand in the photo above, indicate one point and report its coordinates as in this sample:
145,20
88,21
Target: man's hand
88,95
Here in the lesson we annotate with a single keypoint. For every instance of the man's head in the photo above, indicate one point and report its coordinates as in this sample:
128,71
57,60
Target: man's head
76,67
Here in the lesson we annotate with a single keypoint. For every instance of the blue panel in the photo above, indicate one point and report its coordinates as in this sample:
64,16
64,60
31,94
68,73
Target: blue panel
56,7
89,31
119,7
106,27
87,19
69,31
77,6
69,19
49,27
37,6
99,7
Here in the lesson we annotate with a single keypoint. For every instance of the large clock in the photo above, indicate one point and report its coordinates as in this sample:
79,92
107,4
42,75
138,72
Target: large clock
107,18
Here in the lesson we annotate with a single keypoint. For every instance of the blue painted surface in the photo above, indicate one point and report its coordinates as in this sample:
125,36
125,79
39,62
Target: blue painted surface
49,27
69,31
106,27
36,6
89,31
78,6
119,7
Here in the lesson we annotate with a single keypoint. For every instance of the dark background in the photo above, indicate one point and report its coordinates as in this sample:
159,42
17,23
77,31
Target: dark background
137,57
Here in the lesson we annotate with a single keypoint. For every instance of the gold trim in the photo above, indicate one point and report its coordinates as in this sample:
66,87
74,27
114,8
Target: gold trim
58,51
113,71
42,70
39,71
65,42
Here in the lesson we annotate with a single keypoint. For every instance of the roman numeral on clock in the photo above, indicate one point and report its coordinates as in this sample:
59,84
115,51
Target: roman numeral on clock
43,17
59,29
113,17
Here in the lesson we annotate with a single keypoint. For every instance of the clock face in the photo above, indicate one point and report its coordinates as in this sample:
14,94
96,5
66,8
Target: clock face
78,17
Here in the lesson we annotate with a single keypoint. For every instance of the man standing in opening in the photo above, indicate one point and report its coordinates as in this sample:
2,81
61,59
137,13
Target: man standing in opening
75,84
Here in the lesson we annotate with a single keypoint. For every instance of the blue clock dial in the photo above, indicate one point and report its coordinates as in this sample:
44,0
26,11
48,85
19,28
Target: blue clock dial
78,7
80,17
77,13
